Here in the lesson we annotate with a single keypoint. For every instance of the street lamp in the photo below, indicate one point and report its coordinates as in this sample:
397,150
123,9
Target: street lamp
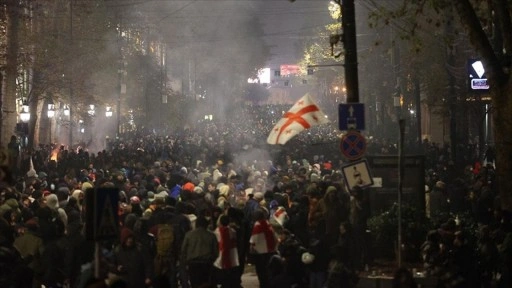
51,110
67,111
25,113
108,112
81,126
51,114
91,110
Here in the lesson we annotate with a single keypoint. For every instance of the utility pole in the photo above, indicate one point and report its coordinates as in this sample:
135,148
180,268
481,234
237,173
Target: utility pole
121,77
348,21
71,40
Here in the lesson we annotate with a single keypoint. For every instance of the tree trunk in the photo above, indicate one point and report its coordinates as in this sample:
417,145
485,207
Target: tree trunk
501,87
502,116
9,113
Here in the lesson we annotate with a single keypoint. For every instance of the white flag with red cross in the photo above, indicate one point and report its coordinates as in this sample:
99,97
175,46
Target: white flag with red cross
303,115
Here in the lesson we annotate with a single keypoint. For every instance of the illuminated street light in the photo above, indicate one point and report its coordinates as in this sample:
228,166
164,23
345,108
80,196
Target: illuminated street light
25,113
51,114
91,110
81,125
108,111
51,110
67,111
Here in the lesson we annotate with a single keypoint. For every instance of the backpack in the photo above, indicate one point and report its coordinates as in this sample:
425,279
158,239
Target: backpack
164,240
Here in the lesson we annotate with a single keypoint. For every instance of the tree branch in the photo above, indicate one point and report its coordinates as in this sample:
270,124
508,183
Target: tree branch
501,9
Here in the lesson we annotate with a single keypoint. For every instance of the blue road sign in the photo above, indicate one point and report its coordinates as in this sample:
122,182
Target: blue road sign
351,116
353,145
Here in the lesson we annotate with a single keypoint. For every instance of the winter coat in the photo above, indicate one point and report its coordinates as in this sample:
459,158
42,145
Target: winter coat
30,246
133,266
56,260
199,246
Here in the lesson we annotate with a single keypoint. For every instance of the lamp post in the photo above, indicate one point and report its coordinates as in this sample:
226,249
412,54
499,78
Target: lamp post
51,114
24,117
91,110
25,112
67,112
108,112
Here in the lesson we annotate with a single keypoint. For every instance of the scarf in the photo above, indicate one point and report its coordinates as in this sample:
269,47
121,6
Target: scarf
225,246
267,231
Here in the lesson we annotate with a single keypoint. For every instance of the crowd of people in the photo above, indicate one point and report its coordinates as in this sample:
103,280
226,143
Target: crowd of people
197,206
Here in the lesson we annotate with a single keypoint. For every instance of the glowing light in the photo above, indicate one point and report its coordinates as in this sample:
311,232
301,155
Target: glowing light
25,113
51,110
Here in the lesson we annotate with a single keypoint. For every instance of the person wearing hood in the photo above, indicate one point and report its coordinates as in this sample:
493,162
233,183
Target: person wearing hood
9,205
63,196
79,195
52,202
333,213
133,266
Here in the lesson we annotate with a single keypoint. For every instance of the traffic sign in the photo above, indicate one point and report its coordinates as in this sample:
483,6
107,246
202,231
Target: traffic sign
105,213
353,145
357,173
351,116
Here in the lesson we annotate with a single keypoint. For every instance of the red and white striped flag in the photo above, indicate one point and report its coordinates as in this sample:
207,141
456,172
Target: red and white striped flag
303,115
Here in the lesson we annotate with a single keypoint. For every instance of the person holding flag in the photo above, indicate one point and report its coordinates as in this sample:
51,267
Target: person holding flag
303,115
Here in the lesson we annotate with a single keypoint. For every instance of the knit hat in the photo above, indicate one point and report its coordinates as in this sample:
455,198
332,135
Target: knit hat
85,186
134,200
151,196
249,191
188,187
198,190
258,196
440,184
183,171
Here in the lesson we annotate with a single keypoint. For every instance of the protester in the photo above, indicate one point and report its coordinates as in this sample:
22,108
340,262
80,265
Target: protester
263,243
198,252
227,261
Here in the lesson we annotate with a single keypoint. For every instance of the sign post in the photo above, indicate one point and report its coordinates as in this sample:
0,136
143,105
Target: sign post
102,221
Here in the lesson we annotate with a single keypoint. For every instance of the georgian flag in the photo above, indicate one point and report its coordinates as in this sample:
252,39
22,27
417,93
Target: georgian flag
303,115
280,216
263,239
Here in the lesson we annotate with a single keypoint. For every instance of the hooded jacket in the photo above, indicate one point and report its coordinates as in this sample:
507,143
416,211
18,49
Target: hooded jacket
53,203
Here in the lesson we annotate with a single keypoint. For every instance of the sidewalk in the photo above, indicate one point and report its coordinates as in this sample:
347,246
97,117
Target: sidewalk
249,279
378,276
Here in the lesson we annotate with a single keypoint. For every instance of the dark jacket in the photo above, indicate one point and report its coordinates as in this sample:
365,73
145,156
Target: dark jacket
199,246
